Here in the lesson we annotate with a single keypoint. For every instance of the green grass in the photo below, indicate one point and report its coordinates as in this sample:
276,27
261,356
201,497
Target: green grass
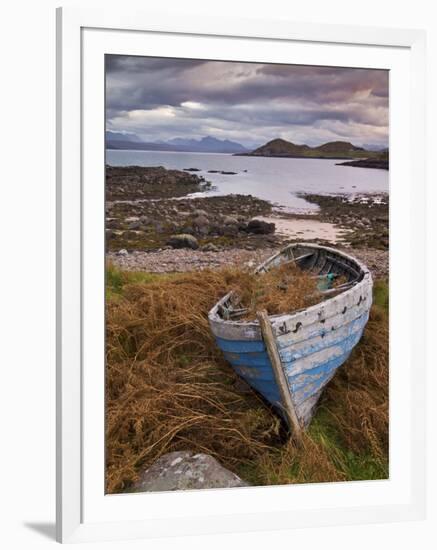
381,294
356,466
117,279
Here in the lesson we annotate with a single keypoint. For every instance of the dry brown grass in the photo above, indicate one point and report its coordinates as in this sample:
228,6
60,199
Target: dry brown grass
168,388
281,290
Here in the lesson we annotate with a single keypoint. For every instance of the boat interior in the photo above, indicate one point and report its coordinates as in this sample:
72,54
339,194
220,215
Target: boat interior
325,264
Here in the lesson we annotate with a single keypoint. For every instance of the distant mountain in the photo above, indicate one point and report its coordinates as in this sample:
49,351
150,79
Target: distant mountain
333,149
137,146
121,136
374,147
208,144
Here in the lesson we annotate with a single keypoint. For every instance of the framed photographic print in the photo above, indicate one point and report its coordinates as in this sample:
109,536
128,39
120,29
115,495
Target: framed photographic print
240,275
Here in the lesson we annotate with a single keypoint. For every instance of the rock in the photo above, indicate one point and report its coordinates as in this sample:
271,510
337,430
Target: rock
215,229
204,230
183,241
200,212
260,227
132,219
210,247
183,470
122,252
192,169
173,226
134,225
112,224
201,221
230,230
230,220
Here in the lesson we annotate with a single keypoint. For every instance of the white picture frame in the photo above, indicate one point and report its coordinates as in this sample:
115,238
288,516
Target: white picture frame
84,513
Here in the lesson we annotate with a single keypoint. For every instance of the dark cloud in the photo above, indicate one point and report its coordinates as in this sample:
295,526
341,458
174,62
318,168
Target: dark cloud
135,64
160,98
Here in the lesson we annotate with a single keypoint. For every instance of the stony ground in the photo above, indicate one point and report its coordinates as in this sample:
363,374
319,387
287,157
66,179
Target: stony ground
182,260
219,221
169,260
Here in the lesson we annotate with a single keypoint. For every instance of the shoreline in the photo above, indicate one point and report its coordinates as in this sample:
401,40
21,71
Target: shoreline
309,157
153,224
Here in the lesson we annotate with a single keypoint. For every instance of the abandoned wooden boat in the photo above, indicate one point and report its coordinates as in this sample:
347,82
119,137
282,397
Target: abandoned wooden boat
289,358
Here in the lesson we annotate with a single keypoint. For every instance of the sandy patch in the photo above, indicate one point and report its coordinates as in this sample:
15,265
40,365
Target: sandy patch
306,229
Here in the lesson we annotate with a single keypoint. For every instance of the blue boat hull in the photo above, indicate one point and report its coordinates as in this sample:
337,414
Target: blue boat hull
251,361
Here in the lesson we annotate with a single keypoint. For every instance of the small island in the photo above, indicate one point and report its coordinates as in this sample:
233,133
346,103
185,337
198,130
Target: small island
331,150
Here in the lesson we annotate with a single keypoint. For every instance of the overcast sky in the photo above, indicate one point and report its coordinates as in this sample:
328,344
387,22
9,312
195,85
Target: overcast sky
160,99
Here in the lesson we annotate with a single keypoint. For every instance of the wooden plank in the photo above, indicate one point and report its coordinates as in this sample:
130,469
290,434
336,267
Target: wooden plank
281,380
294,260
309,319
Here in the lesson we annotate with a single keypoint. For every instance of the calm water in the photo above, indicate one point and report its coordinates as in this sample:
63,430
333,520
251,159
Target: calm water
274,179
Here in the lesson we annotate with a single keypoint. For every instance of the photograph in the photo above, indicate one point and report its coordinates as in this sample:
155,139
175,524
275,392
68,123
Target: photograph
246,274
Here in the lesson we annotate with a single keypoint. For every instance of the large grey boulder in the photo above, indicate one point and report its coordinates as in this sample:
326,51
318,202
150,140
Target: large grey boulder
186,470
183,241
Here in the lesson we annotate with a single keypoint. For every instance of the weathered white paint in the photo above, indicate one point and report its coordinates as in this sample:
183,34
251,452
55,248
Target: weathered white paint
357,298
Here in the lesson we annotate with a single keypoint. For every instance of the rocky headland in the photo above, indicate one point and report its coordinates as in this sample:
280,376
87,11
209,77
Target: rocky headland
381,164
133,183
